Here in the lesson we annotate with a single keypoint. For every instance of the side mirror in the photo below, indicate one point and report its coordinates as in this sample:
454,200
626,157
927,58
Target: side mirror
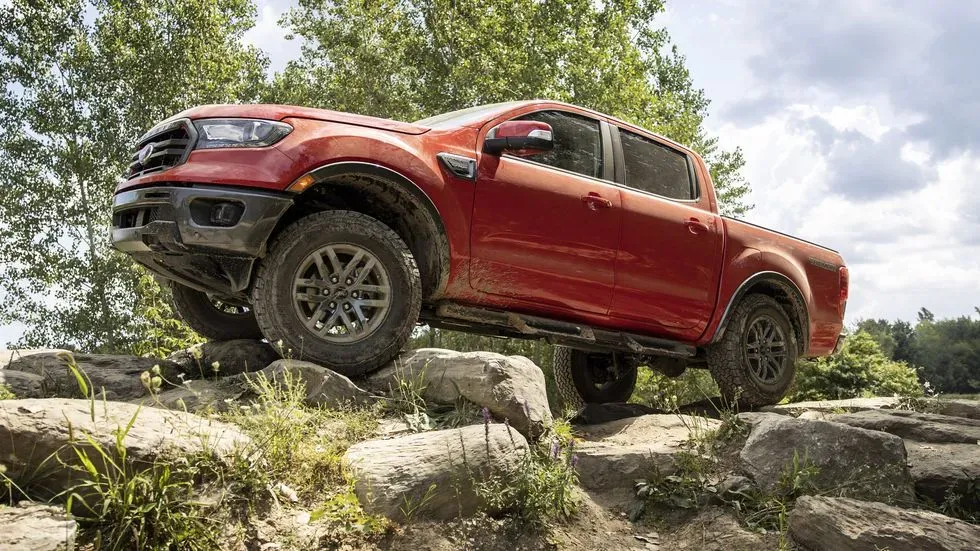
526,137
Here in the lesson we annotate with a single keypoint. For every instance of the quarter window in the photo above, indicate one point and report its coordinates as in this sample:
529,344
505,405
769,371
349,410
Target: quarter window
656,168
578,142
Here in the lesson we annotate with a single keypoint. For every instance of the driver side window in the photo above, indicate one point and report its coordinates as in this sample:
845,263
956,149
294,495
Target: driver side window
577,139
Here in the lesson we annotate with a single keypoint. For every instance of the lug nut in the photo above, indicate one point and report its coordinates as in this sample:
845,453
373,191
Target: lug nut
353,294
334,279
333,305
349,281
346,306
326,291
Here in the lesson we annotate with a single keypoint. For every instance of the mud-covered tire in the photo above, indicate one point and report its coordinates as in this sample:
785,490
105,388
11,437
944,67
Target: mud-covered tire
576,386
272,294
211,321
728,359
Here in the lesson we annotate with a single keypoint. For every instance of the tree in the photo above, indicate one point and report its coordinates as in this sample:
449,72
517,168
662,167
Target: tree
408,59
80,81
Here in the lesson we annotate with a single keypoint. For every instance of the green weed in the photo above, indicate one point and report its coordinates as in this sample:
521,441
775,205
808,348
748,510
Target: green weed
6,393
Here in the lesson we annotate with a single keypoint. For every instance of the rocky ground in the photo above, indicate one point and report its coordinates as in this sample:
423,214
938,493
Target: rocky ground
230,446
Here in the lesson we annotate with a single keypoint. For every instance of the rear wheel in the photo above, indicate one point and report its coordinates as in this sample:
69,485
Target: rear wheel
755,361
340,289
213,318
593,377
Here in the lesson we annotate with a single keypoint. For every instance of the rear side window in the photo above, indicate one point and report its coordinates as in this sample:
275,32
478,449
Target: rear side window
656,168
578,142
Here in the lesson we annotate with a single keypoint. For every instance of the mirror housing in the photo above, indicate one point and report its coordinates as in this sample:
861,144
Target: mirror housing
526,137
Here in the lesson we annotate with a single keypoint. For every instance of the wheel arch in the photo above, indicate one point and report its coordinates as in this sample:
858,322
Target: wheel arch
388,196
787,293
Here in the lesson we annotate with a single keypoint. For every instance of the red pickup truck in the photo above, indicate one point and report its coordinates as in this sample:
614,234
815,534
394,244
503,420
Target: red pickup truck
337,233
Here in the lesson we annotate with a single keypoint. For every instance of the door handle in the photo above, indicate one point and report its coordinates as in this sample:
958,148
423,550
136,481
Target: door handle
595,201
696,226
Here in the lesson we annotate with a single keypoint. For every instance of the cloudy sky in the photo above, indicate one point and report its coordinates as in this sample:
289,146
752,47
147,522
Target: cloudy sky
860,122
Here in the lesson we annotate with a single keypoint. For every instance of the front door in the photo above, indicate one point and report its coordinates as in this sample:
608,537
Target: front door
546,226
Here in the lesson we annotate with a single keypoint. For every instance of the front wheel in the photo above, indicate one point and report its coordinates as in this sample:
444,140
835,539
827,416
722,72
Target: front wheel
213,318
755,361
593,377
340,289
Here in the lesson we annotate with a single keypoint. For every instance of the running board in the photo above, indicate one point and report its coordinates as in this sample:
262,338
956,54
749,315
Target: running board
556,331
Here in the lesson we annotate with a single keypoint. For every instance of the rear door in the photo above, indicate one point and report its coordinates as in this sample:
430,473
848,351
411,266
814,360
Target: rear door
669,262
546,226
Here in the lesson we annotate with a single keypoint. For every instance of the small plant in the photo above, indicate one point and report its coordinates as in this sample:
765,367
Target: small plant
344,511
768,511
125,506
6,393
407,398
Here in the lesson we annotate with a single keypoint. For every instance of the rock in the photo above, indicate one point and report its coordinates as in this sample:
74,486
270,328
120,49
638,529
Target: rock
118,376
958,408
617,454
857,462
911,425
7,356
323,386
594,414
233,357
834,406
433,471
824,523
712,529
511,387
32,431
197,395
941,470
35,527
22,384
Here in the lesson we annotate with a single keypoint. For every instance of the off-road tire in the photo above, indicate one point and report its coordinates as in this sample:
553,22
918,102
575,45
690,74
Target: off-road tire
574,383
727,360
199,311
272,294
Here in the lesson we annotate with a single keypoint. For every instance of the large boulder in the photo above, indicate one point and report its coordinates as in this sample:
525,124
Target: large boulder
35,527
860,463
831,524
911,425
431,474
233,357
511,387
946,470
118,376
22,384
616,454
37,436
323,386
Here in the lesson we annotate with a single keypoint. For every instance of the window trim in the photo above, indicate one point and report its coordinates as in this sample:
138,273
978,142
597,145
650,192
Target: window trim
621,161
606,154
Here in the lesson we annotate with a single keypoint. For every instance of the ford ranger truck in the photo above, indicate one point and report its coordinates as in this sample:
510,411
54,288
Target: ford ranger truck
338,233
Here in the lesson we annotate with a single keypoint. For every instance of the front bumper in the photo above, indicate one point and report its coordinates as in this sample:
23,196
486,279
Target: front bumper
168,230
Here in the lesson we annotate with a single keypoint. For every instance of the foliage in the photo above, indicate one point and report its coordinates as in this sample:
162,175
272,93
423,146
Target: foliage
412,59
6,393
343,510
126,506
657,390
161,329
80,81
859,369
540,488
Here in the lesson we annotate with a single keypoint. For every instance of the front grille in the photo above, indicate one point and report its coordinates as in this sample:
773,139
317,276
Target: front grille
140,216
171,142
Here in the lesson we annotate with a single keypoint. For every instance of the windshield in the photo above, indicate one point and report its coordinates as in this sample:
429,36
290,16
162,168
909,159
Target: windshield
466,116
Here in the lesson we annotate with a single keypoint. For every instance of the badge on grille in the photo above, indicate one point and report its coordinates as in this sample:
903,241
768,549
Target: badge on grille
145,153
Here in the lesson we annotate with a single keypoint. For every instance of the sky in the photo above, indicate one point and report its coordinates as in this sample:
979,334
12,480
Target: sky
860,124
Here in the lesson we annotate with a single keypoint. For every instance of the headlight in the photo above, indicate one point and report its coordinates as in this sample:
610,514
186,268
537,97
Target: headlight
218,133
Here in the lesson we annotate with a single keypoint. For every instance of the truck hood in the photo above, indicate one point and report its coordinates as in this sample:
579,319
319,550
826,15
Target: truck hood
279,112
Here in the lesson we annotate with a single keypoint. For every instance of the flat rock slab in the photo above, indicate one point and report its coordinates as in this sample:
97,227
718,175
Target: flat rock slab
118,376
832,524
36,436
36,527
616,454
861,463
511,387
834,406
323,386
911,425
433,472
941,470
233,357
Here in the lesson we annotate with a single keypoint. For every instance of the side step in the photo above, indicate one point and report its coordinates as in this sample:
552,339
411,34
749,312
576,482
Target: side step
457,316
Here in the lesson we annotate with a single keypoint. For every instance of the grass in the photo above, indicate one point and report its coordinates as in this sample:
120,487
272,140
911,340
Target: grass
6,393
